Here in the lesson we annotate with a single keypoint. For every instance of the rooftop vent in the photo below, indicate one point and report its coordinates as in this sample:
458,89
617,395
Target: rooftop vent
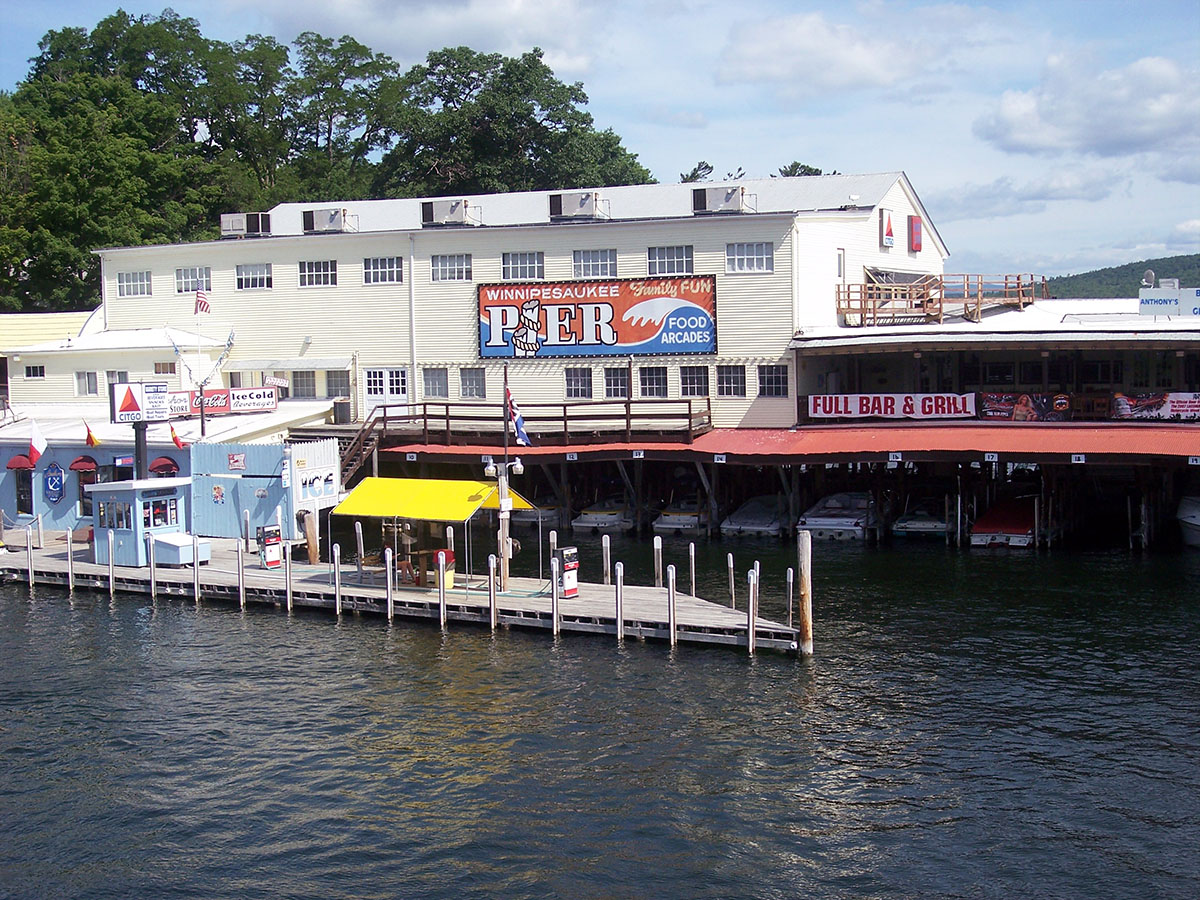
575,205
446,212
718,200
244,225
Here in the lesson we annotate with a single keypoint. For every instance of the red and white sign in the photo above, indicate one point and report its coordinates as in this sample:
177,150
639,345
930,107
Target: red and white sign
1160,405
224,400
887,237
891,406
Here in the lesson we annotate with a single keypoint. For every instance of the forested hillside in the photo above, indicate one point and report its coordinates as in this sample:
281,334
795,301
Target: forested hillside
1124,281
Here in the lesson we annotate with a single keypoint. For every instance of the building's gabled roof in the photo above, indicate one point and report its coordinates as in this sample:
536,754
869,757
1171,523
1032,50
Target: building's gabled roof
118,341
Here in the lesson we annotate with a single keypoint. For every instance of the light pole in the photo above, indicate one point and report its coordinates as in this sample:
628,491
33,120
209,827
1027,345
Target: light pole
500,473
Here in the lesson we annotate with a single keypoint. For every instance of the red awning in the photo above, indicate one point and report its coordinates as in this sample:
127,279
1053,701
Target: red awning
164,465
82,464
20,461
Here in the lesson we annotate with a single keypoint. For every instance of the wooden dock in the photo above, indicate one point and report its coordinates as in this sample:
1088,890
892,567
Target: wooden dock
528,603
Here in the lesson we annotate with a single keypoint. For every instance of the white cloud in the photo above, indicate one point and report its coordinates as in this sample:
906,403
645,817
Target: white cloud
1150,106
1004,197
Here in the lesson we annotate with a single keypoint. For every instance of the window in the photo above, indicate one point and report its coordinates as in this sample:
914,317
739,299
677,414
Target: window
998,373
653,381
235,379
133,284
1031,372
304,384
24,479
253,276
772,381
437,382
616,383
85,384
693,381
751,257
518,266
383,269
35,371
579,383
450,267
164,368
85,499
337,383
595,263
731,381
116,376
669,260
472,383
320,273
193,278
1101,371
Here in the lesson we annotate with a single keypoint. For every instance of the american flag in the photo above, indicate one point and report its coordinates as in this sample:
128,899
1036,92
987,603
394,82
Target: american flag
202,303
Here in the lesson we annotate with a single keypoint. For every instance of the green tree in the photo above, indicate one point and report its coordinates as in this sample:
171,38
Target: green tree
468,122
700,172
796,169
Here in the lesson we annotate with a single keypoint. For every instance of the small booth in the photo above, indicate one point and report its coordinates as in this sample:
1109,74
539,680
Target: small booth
141,510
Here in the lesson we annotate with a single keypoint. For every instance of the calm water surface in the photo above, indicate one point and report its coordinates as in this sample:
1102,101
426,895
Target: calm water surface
973,725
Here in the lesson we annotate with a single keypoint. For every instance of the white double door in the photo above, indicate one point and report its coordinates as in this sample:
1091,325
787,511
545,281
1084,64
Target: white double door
386,387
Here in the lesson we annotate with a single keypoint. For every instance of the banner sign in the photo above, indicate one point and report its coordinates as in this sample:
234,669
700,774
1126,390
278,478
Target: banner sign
220,401
1161,405
628,317
1025,407
891,406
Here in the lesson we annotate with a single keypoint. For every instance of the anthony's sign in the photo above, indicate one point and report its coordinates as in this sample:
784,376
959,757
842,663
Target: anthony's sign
639,316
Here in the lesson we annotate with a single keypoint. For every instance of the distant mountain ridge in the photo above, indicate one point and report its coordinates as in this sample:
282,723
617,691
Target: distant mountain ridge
1124,281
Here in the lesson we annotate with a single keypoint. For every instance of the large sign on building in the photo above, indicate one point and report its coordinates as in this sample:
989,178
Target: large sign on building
628,317
891,406
139,402
220,401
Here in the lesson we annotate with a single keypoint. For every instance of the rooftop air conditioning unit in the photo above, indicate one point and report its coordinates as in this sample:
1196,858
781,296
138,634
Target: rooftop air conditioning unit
240,225
718,200
445,212
575,205
320,221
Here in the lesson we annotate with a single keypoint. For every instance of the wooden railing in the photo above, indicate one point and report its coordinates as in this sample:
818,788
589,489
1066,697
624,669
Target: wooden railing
932,297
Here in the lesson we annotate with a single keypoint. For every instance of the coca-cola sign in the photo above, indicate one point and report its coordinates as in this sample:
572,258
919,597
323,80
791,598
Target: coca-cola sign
221,401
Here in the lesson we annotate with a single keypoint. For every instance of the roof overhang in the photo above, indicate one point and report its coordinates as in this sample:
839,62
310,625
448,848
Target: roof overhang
293,364
424,499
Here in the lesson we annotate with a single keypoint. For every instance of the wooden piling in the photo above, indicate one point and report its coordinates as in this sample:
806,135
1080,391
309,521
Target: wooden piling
606,555
804,551
196,568
441,577
388,575
555,618
153,568
112,574
732,598
620,602
671,604
791,580
337,578
29,557
751,592
287,577
241,564
70,561
492,616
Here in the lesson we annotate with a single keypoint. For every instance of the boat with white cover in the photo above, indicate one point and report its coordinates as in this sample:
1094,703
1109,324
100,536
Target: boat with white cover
757,516
610,514
840,517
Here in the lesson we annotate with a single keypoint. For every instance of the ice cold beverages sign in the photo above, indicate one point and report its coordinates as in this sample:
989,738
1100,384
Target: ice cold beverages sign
891,406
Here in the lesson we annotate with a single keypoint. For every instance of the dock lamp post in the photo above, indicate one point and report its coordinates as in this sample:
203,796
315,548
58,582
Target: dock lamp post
500,473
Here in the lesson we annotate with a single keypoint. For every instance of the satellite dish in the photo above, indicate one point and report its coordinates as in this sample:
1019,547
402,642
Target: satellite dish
1148,278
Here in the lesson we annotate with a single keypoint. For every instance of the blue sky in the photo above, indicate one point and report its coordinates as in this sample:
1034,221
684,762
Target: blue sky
1047,137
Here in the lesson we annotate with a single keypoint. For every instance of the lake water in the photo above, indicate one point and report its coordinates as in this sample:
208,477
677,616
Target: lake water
972,725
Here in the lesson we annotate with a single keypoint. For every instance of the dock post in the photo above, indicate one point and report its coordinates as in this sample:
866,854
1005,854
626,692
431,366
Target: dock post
606,554
804,548
41,533
732,598
70,561
241,564
450,538
441,575
751,592
246,527
791,581
112,575
671,603
358,550
492,617
692,564
287,577
29,555
553,541
337,578
658,561
196,568
387,567
153,570
620,602
555,619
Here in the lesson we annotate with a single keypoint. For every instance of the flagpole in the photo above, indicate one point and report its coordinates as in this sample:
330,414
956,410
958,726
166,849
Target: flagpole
503,487
199,384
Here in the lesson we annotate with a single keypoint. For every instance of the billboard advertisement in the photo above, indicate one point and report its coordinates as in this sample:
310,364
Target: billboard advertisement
220,401
1160,405
627,317
1023,407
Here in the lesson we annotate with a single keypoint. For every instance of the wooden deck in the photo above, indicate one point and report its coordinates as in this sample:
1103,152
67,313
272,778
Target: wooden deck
527,604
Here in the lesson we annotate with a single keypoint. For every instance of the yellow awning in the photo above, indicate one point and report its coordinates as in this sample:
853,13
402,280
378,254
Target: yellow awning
427,499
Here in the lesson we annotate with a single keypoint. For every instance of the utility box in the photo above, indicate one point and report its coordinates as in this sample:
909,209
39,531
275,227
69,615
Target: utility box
341,411
270,546
568,571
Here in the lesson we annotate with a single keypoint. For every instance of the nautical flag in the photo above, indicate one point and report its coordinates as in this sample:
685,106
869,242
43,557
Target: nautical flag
37,442
92,440
202,303
178,441
518,421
